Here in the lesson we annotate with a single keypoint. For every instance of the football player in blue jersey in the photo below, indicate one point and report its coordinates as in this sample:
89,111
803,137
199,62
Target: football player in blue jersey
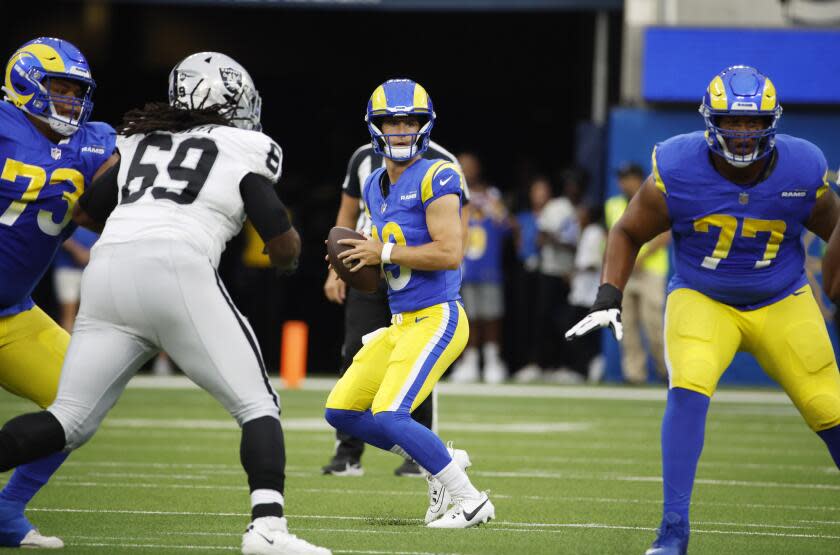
415,207
737,199
49,152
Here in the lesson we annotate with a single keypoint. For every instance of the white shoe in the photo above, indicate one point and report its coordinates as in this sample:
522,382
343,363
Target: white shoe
466,371
439,498
466,514
269,535
597,367
565,376
528,374
34,539
495,371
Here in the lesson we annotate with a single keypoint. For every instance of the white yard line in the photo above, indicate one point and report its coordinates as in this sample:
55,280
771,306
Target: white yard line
228,548
320,425
155,546
501,526
77,481
739,483
545,391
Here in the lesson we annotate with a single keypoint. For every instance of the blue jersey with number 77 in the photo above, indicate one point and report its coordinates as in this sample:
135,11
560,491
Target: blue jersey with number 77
39,185
739,245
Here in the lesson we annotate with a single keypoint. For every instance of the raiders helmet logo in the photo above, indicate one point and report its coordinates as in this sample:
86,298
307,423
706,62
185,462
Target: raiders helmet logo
231,78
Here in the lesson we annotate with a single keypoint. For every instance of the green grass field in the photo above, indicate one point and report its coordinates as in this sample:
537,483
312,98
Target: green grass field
567,475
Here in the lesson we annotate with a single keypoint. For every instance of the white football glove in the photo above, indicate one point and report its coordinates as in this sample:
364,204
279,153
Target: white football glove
605,311
596,320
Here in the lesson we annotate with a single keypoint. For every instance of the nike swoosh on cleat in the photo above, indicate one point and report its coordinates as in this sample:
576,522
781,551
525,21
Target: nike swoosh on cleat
419,319
798,293
439,503
471,515
270,542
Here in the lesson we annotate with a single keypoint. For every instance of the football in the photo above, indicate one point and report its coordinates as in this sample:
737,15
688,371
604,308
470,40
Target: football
365,279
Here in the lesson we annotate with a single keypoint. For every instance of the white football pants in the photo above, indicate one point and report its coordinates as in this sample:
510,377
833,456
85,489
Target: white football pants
140,298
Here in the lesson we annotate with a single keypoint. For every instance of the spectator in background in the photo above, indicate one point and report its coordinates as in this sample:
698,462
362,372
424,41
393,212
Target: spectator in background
481,289
558,238
526,235
643,308
586,359
70,261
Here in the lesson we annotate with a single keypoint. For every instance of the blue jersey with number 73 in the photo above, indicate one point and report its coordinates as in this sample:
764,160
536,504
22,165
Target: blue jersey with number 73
39,185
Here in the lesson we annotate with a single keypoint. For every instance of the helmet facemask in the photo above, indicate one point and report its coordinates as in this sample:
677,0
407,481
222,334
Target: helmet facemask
383,142
719,139
78,109
48,107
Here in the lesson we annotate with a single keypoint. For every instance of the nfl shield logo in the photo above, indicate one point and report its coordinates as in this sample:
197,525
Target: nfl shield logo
55,153
743,198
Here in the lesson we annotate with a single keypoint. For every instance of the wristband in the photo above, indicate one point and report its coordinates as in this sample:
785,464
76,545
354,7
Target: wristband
609,296
386,253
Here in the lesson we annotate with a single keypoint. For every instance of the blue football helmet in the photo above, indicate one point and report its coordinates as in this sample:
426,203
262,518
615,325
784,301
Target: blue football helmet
27,83
741,91
400,97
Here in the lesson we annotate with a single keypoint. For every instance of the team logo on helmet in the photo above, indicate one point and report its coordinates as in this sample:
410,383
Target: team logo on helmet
231,78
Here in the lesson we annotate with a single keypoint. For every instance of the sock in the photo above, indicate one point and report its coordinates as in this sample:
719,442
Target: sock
831,437
360,424
683,428
418,441
262,452
266,502
453,477
29,478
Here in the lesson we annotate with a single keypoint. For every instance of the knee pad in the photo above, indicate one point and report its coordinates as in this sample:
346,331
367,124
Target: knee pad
392,423
821,411
340,418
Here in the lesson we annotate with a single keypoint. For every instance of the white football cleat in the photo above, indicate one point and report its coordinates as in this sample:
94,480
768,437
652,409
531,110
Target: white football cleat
439,498
34,539
466,513
269,535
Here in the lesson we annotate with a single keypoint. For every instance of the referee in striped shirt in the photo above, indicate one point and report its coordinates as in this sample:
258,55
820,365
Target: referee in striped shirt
366,312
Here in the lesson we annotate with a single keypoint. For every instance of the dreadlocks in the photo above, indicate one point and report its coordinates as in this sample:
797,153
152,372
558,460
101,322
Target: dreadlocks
160,116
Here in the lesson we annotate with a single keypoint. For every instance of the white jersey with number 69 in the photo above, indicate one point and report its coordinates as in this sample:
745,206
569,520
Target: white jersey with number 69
184,186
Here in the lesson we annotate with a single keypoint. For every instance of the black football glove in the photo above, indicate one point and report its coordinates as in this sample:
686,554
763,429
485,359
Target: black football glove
606,311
